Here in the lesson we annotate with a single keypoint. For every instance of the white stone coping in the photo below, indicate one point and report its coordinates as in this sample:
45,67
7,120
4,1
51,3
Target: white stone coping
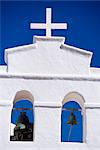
94,70
72,48
52,104
92,105
51,77
18,49
46,38
47,104
59,105
3,68
5,103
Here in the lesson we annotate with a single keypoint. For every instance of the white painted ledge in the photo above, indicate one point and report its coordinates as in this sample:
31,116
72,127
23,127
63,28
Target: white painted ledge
94,71
59,105
52,77
47,104
5,103
52,104
92,105
3,69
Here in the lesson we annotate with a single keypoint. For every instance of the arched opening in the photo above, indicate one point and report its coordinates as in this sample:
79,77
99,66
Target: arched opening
73,118
22,117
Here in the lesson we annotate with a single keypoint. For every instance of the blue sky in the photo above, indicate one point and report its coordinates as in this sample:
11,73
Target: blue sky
83,20
76,134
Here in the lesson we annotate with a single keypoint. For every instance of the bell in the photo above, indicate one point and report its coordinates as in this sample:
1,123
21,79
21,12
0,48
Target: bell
72,119
22,119
23,130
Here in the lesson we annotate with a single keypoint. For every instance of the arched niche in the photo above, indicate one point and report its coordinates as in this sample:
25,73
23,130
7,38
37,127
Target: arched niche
22,117
77,99
23,94
76,96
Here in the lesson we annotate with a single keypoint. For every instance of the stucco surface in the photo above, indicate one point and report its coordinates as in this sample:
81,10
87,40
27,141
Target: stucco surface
49,70
48,55
50,90
48,130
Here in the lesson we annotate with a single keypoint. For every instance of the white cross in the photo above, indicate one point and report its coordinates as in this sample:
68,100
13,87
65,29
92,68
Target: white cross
48,25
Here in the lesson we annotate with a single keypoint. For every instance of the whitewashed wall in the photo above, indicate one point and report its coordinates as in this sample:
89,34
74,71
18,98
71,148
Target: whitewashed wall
48,56
49,69
48,119
51,91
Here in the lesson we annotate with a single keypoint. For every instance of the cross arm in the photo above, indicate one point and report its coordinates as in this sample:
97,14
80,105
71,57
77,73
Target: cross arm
59,25
37,26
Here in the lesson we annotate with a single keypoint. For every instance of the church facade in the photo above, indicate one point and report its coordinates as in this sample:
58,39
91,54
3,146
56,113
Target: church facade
49,96
49,74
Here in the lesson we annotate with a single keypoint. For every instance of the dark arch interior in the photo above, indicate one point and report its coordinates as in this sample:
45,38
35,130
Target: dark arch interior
22,117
